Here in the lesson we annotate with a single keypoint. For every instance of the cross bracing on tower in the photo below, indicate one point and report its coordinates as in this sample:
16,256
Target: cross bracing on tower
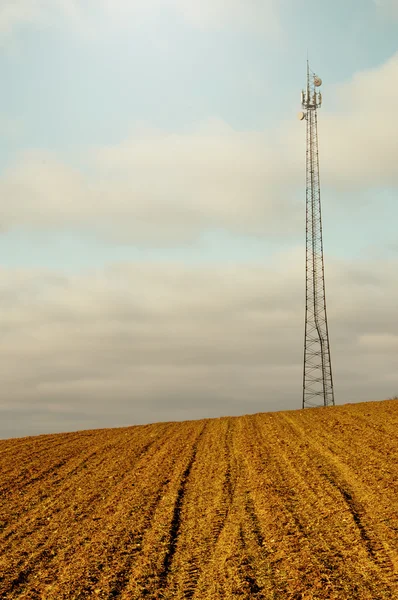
317,373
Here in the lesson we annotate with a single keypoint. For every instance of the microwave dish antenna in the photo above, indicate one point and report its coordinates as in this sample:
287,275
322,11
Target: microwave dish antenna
318,387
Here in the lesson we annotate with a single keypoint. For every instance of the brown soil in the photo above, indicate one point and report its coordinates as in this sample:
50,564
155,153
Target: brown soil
294,505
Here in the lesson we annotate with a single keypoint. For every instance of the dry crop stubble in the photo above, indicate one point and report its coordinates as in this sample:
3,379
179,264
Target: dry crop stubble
290,505
203,512
357,468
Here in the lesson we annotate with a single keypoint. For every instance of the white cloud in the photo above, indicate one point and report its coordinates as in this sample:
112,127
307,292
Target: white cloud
166,188
43,13
261,15
388,7
147,342
359,141
255,15
159,188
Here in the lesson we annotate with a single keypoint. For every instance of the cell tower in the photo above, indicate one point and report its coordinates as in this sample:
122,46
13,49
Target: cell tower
317,377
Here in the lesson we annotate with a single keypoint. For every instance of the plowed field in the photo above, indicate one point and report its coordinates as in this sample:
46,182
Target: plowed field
289,505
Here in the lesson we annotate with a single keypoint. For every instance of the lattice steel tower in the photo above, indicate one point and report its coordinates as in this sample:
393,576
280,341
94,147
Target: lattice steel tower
317,377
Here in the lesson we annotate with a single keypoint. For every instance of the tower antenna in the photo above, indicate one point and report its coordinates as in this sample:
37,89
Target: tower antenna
317,375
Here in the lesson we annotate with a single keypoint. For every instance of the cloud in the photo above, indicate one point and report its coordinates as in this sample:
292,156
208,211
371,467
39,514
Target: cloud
257,15
385,342
359,140
42,13
85,15
388,7
136,343
158,188
166,188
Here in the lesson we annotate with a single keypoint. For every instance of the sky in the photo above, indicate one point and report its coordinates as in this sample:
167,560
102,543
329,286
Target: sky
152,202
